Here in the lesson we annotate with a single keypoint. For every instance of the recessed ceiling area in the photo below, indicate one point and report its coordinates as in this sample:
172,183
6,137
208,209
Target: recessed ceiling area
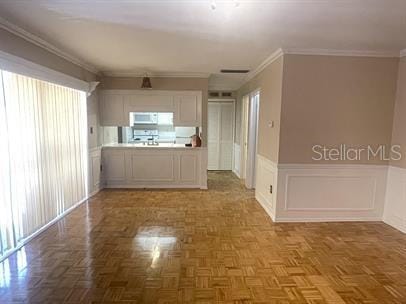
191,38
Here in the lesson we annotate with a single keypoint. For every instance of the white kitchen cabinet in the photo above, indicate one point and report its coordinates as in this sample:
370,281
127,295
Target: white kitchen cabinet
154,167
112,110
116,105
188,110
114,166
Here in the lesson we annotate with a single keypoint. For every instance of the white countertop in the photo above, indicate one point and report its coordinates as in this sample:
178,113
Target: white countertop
142,146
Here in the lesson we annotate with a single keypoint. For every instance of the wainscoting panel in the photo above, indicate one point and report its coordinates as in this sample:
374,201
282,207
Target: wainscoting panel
237,160
330,192
395,200
95,178
266,184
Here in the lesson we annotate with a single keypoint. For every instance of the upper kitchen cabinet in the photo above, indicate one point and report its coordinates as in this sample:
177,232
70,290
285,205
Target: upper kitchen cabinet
188,110
116,105
112,110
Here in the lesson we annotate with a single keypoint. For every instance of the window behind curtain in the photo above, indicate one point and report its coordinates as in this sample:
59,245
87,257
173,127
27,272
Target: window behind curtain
43,155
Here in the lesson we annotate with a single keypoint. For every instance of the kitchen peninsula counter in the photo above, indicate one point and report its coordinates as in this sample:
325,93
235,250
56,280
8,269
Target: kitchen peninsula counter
166,165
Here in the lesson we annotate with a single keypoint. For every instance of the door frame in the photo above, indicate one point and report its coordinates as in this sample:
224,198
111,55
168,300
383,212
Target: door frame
249,163
244,134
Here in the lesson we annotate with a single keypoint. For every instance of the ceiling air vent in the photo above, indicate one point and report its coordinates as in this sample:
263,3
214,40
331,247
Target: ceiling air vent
229,71
214,94
226,94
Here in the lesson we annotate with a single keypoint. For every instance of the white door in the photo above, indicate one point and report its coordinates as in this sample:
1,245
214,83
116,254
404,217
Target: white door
220,135
213,135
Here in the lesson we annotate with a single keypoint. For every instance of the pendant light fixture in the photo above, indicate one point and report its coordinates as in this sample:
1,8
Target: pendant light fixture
146,82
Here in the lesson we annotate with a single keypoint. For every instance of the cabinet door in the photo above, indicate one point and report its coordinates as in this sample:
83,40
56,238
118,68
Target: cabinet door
188,111
114,166
112,111
188,168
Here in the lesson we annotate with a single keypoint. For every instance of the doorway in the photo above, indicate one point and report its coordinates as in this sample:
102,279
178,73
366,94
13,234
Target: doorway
249,138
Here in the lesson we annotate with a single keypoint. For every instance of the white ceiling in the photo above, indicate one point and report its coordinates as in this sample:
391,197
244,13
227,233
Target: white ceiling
188,37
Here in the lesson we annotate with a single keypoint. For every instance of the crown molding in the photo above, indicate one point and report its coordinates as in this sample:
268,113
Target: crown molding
18,31
155,74
348,53
403,53
274,56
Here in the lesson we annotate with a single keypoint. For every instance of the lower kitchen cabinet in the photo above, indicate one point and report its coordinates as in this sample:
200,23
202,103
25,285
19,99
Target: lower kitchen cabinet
155,167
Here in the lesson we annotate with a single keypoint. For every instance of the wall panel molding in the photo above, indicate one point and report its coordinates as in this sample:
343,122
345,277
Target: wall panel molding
330,192
395,199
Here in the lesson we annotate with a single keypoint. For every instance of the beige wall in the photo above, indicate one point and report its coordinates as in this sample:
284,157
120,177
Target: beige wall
330,100
399,121
269,81
17,46
164,83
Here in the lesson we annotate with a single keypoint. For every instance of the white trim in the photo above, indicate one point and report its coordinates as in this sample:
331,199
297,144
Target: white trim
236,159
335,52
327,219
395,199
330,166
266,176
330,192
22,66
18,31
156,74
403,53
270,59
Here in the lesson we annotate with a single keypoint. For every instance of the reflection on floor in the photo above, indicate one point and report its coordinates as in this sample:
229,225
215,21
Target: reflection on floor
191,246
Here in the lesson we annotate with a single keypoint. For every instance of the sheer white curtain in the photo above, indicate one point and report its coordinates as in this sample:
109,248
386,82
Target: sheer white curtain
43,155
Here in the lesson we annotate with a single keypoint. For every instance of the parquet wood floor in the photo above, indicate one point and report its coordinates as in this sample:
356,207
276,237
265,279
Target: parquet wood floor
192,246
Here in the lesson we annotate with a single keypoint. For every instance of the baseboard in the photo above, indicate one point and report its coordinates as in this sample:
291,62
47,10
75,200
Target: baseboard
160,186
333,219
396,222
237,160
265,204
97,190
43,228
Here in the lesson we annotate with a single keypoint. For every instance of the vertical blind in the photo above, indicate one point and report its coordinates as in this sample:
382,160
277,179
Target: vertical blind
43,155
